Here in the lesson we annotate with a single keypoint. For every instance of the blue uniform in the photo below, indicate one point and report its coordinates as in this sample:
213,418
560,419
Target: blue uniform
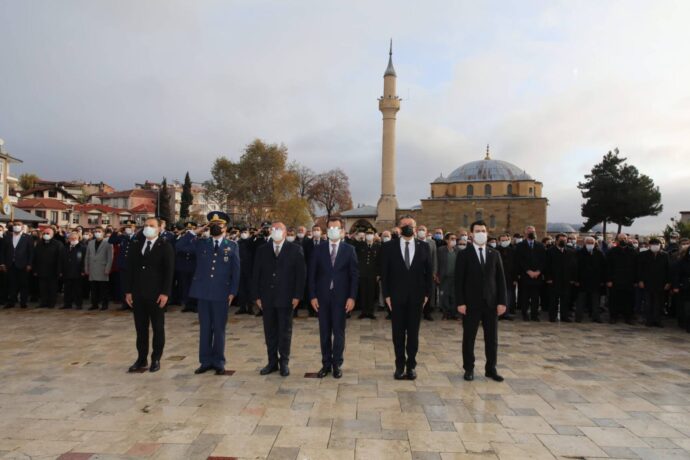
185,265
125,243
216,277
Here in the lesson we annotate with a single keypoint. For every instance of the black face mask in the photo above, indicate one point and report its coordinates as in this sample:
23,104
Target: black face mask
407,231
266,232
216,230
561,244
532,235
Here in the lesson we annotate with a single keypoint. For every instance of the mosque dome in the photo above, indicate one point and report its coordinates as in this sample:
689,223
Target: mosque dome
487,170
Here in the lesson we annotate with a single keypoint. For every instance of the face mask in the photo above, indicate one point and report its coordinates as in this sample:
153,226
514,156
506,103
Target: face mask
453,243
532,236
644,249
150,232
492,244
128,231
462,246
73,243
561,244
290,239
674,241
635,245
438,236
480,238
655,248
277,234
407,231
505,243
86,237
244,235
207,234
463,238
300,235
17,228
216,230
518,240
570,244
369,238
316,234
47,236
589,247
600,238
386,239
98,235
421,234
334,233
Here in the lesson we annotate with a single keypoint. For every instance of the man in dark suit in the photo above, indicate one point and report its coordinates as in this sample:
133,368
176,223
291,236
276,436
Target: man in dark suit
407,275
654,275
48,261
122,241
591,274
530,258
621,261
308,246
246,249
480,290
333,278
73,272
148,287
507,251
560,273
185,265
16,257
369,261
263,236
277,287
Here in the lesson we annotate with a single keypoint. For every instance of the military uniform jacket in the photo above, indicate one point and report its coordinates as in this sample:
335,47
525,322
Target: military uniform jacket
124,242
217,273
369,259
185,255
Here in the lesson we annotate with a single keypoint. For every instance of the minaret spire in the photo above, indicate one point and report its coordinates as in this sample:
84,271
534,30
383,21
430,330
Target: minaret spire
487,157
390,70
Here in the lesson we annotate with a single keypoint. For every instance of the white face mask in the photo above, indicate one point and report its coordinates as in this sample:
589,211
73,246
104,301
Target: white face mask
290,238
645,249
17,228
386,239
421,234
98,235
635,245
128,231
277,234
300,235
518,240
480,238
47,236
453,243
492,244
505,244
316,234
150,232
655,248
369,238
462,245
590,247
463,238
73,242
244,235
333,233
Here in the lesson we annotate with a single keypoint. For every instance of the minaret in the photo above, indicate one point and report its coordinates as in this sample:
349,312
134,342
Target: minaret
389,104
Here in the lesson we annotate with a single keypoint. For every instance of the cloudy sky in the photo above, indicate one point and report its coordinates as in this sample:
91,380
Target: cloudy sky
128,90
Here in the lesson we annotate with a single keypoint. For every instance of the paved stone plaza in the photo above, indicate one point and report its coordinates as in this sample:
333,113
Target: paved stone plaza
571,391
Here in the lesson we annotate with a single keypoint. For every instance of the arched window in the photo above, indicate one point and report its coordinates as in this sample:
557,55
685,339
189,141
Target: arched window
492,221
470,190
487,190
478,215
510,189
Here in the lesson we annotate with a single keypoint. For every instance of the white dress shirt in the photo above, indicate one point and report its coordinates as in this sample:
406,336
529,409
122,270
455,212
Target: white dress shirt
412,247
337,246
143,248
15,239
476,250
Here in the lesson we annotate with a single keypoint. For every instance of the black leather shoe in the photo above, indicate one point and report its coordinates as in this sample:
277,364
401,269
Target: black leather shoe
362,316
411,374
427,316
399,374
337,372
123,307
269,369
202,369
323,372
9,305
469,376
284,370
155,366
220,371
138,365
104,308
93,307
65,307
259,313
494,376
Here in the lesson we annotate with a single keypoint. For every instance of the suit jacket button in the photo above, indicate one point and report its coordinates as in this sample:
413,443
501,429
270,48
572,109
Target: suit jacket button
211,275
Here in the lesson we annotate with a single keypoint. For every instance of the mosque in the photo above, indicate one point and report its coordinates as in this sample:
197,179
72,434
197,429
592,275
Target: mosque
502,194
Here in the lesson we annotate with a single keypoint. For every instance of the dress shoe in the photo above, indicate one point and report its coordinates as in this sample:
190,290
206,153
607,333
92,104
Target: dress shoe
469,376
78,307
138,365
323,372
566,320
259,313
362,316
388,316
427,316
9,305
536,319
220,371
241,311
598,321
123,307
295,314
284,370
411,374
337,372
371,316
104,308
65,307
155,366
202,369
494,376
399,374
93,307
269,369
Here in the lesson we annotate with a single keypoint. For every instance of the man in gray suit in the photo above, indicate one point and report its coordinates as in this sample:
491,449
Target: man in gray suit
99,260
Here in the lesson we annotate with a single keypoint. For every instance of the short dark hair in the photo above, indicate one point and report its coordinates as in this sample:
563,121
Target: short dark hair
405,216
448,235
315,227
561,235
654,241
476,222
158,221
340,220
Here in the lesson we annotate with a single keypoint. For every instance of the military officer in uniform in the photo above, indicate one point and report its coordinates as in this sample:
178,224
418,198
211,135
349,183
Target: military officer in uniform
246,246
368,258
165,234
185,264
215,284
123,240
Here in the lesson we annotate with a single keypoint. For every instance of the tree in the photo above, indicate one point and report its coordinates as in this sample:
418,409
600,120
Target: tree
305,177
293,212
683,229
331,192
616,192
187,198
28,181
224,177
164,211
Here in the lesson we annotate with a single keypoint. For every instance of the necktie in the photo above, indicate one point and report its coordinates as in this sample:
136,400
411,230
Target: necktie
407,254
531,244
481,256
333,248
148,248
215,248
277,248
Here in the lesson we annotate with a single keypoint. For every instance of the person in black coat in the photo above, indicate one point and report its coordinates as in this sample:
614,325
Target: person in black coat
48,260
277,287
480,292
621,262
681,287
73,272
148,286
530,259
591,274
369,262
507,252
308,246
246,247
560,273
654,273
16,258
407,275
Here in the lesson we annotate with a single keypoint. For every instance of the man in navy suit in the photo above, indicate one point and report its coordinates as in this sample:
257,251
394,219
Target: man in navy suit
407,275
277,287
333,279
480,292
15,258
214,285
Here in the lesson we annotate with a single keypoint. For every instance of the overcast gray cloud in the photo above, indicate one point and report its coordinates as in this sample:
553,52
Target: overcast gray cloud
124,91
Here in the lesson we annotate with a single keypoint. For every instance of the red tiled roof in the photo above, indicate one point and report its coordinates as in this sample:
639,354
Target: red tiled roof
129,193
98,207
144,207
42,203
